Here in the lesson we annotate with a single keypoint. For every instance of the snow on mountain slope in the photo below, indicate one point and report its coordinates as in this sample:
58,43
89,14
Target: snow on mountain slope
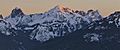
59,22
55,23
4,27
112,21
106,28
89,27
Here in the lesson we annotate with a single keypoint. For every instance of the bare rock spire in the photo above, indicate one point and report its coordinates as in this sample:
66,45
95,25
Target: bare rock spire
1,17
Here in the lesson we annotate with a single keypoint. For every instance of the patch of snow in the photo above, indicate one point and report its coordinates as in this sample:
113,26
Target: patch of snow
118,21
92,37
110,22
29,28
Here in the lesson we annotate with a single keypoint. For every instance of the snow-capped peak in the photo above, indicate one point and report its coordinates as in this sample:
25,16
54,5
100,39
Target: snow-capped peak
64,9
16,11
61,8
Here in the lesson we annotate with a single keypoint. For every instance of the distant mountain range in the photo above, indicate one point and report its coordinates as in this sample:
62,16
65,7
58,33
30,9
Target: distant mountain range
60,28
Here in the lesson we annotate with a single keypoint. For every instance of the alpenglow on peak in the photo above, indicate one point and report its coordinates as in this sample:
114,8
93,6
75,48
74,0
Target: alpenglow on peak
61,8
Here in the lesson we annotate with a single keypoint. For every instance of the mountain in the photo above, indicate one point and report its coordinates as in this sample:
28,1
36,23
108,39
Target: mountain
54,23
60,25
112,21
102,34
107,27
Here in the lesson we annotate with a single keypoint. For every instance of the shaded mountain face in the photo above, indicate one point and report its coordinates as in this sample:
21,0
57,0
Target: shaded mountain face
16,12
1,17
60,24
